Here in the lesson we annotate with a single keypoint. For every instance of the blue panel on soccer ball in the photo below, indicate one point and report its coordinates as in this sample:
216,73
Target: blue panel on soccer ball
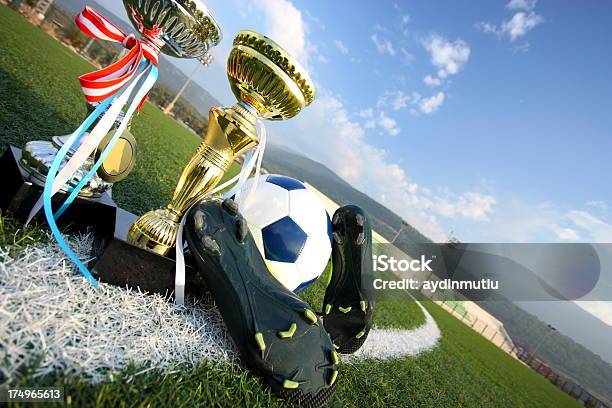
304,285
285,182
283,240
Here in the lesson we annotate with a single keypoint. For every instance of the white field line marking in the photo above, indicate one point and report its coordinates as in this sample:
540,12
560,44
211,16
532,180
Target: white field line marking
49,311
395,343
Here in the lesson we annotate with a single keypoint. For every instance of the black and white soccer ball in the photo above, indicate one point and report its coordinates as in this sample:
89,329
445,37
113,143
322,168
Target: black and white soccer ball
291,227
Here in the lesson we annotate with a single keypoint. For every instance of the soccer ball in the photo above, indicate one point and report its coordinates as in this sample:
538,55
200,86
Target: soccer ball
291,227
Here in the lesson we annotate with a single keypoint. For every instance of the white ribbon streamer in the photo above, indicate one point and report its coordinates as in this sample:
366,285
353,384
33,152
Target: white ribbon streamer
252,160
90,141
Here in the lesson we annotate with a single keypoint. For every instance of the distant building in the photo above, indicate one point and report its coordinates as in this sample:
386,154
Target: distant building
41,8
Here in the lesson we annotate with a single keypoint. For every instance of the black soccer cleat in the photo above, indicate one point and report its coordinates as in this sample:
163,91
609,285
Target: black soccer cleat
277,334
347,307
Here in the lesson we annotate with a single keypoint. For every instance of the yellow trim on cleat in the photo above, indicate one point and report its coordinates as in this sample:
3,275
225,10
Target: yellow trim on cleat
336,346
289,333
290,384
364,305
260,341
345,309
333,377
335,357
360,334
328,309
309,314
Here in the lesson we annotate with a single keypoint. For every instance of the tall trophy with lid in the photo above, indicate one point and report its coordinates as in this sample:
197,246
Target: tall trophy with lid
268,83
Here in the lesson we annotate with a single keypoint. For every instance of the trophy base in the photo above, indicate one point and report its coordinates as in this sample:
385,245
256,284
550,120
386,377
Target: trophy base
155,231
20,192
37,157
122,264
114,261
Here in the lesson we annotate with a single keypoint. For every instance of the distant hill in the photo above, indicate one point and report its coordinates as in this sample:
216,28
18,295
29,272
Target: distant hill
282,160
169,75
560,352
173,78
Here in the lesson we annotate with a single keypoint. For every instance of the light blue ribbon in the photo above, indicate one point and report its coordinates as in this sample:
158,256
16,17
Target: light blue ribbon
145,87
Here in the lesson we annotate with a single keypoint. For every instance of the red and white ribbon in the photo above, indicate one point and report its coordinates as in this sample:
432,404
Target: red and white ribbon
101,84
121,79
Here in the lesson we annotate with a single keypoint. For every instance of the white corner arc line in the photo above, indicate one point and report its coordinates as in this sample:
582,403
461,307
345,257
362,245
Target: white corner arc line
397,343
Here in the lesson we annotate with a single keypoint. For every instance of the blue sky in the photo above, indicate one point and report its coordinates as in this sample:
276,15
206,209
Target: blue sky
489,119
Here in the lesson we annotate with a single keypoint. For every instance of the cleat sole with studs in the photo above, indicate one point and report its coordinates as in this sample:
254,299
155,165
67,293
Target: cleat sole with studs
348,308
277,334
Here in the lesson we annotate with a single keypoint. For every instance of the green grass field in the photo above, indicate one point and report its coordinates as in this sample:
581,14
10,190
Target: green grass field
40,97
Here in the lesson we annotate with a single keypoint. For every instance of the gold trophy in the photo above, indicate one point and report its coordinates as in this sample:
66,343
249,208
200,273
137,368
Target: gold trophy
268,83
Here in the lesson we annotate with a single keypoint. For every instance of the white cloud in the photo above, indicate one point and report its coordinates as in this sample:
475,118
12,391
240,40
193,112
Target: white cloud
522,21
598,204
431,104
370,169
448,56
383,46
526,5
599,308
397,100
515,220
341,47
400,101
432,81
596,229
388,124
368,115
475,206
520,24
382,120
487,27
404,22
567,234
284,23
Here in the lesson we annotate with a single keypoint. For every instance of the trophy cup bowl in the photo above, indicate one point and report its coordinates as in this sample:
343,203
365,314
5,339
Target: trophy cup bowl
179,28
268,83
185,27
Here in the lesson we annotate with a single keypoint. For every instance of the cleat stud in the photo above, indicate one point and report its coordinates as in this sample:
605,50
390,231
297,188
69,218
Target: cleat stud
211,245
360,334
360,219
333,377
198,220
364,305
336,219
337,237
242,230
345,310
261,344
360,238
310,316
289,333
335,357
290,384
230,206
328,309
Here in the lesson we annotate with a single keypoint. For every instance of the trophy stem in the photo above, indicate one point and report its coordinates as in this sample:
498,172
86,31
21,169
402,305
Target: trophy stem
231,131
